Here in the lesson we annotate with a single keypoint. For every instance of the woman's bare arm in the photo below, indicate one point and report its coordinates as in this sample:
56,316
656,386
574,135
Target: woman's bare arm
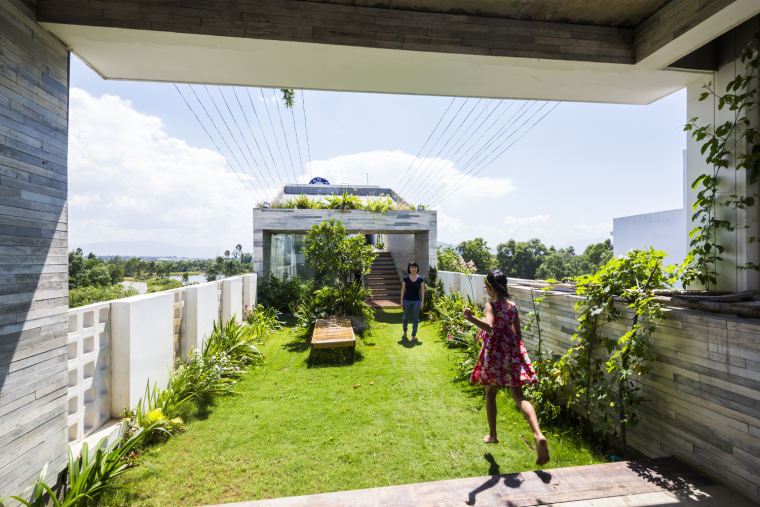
403,289
422,294
486,325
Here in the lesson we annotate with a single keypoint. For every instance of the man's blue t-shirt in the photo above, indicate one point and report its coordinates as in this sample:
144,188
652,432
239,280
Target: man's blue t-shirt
413,288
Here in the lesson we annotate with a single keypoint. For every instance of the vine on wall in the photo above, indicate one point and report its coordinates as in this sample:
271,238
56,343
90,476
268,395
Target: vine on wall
599,375
741,98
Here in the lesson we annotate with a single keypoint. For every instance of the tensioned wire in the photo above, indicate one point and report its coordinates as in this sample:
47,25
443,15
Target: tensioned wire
440,136
263,134
226,126
241,134
300,159
504,128
425,143
287,146
261,153
443,147
269,115
504,150
457,176
464,143
303,105
213,141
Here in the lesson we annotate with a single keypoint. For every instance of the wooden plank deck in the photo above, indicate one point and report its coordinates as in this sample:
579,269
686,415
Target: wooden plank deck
333,332
645,483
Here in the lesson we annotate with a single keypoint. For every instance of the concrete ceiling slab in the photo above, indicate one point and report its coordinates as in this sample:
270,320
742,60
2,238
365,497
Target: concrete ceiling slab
190,58
618,13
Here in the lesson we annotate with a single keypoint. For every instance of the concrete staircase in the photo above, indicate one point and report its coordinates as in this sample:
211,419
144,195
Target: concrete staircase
384,280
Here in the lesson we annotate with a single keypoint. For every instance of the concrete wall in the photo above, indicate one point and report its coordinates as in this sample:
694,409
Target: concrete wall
34,81
664,230
142,346
738,250
703,389
402,250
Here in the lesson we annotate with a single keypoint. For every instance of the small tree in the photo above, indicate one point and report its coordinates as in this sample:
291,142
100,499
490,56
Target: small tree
328,249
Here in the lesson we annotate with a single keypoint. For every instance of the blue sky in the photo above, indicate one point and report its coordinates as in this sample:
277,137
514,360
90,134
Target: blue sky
142,168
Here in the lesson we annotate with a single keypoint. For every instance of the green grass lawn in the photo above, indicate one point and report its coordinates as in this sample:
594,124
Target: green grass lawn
301,427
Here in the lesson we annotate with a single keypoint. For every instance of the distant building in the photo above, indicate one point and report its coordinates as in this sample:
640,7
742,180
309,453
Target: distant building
662,230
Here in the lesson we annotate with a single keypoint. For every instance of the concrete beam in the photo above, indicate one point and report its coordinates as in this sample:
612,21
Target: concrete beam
683,26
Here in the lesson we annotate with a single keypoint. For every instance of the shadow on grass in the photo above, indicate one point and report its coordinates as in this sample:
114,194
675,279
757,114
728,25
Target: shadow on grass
409,344
332,357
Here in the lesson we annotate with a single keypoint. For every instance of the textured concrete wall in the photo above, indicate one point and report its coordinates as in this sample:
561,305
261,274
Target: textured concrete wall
401,248
34,81
322,23
424,224
672,21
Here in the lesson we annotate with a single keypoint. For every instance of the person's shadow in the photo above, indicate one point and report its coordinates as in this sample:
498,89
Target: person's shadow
511,481
409,344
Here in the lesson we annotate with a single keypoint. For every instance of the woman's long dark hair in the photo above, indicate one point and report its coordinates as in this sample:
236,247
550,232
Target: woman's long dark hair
498,280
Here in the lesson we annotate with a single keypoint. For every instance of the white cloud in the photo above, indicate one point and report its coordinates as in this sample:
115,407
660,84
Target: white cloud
426,181
129,181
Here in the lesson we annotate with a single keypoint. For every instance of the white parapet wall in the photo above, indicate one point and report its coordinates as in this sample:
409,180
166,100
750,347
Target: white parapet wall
201,310
232,299
469,286
249,291
117,347
89,394
142,332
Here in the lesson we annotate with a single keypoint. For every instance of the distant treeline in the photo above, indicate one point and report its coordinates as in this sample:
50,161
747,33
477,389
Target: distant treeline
530,260
96,271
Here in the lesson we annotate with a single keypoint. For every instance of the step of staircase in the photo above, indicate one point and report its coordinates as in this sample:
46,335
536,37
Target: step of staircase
383,279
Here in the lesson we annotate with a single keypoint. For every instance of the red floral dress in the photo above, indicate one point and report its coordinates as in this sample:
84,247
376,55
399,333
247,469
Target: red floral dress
503,359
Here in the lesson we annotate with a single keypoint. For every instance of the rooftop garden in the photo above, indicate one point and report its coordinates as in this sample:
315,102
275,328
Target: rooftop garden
343,202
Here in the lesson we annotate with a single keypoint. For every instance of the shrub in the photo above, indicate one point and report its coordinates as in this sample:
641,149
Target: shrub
163,284
284,294
332,301
90,295
233,341
262,321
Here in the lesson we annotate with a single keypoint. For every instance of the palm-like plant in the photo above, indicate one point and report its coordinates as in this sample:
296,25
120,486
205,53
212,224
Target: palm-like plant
379,205
91,475
343,202
233,339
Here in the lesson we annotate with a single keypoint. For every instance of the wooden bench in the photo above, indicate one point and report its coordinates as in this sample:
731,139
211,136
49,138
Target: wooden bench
333,332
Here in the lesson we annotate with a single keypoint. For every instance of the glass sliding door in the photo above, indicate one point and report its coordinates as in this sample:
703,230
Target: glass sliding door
287,257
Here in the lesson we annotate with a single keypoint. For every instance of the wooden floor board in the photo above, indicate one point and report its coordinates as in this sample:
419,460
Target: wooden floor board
644,483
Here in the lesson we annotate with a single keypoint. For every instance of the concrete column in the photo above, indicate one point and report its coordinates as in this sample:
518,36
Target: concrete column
425,250
232,299
34,97
201,310
732,182
142,348
259,251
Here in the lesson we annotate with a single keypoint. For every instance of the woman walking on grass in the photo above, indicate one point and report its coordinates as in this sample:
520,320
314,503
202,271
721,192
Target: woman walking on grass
503,360
412,297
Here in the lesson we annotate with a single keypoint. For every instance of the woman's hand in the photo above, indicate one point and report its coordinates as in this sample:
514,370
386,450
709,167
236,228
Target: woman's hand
467,313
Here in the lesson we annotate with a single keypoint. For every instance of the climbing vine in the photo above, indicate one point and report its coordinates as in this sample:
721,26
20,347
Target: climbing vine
740,98
598,375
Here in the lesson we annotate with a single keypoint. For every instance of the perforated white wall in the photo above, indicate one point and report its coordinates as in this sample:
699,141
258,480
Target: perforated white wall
89,395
